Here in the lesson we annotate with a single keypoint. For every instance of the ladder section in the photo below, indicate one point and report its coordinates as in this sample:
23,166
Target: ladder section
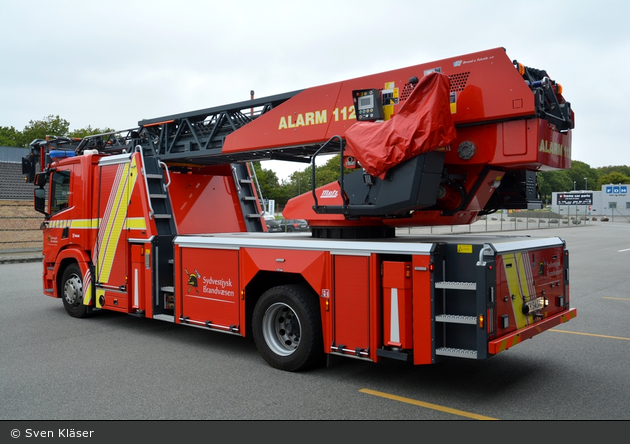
198,136
461,306
455,319
158,196
252,213
162,244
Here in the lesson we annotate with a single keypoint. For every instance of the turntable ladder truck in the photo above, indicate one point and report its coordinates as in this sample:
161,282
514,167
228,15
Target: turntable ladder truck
163,220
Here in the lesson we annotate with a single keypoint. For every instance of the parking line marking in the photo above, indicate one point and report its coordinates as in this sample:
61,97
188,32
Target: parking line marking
617,299
590,334
427,405
621,251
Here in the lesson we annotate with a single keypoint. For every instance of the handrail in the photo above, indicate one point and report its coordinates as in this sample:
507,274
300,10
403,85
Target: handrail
168,174
260,194
146,183
343,195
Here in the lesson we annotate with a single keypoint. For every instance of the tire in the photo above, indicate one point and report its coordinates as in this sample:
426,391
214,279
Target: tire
72,292
287,328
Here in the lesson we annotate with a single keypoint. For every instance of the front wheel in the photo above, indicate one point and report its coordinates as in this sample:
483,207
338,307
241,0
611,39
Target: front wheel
72,292
287,328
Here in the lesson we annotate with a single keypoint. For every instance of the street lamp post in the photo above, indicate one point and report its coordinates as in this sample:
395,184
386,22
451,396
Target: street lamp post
574,182
586,186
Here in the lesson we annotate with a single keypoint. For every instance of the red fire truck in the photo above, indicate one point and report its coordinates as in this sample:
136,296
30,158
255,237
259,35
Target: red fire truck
164,220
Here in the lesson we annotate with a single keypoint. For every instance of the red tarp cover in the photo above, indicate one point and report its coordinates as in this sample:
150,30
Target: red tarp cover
423,123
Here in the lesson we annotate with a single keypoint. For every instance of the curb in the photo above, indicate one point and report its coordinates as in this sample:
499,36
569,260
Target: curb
20,259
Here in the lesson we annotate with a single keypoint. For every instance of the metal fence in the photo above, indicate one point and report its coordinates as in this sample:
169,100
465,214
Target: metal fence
19,226
513,221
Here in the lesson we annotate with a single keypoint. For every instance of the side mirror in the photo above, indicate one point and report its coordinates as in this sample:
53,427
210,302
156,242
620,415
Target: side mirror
39,198
41,179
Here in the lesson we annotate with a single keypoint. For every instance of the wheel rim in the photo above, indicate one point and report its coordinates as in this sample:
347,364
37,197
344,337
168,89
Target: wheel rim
73,290
281,329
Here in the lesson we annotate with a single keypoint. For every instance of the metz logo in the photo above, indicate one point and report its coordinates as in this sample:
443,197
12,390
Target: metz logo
329,194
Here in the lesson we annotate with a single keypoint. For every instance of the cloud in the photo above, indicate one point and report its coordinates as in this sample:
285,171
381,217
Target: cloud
113,63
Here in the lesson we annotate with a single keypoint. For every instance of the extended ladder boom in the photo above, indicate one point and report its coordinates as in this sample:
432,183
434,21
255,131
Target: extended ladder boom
503,122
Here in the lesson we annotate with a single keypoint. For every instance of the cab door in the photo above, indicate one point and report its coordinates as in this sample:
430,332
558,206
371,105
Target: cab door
116,179
56,228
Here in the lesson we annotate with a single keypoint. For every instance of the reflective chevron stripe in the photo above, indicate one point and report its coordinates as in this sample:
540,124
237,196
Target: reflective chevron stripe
113,222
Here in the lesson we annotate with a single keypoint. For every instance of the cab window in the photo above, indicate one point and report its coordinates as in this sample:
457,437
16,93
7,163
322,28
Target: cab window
60,191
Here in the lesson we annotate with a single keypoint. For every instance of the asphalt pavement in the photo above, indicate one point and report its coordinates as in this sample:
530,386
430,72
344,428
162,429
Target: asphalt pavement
116,367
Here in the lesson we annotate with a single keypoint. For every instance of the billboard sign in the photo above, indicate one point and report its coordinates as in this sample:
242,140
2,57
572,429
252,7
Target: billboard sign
575,198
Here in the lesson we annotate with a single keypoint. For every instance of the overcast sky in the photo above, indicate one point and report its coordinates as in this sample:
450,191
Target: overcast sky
112,63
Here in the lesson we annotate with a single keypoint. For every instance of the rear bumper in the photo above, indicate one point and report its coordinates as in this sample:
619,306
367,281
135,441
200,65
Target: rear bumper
510,340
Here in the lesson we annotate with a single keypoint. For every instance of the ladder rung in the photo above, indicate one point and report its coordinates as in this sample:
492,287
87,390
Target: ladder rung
162,216
246,181
456,319
154,176
168,289
457,352
456,285
249,198
254,216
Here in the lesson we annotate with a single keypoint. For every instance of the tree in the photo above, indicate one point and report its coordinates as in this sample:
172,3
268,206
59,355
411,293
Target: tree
329,172
39,129
613,177
268,182
300,182
623,169
9,136
551,181
50,126
582,174
88,131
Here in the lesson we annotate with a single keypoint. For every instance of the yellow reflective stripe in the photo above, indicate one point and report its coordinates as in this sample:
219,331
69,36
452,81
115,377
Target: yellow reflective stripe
510,342
520,284
112,225
84,224
100,294
514,287
114,218
136,223
507,343
133,223
87,287
522,277
59,223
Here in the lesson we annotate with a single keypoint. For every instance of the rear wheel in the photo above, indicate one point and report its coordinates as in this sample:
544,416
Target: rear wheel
287,328
72,292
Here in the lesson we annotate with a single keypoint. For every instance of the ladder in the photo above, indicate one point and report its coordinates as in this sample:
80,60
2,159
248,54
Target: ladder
162,245
461,308
248,199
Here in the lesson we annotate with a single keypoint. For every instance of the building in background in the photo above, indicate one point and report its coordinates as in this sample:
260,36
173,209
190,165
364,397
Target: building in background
12,183
611,201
